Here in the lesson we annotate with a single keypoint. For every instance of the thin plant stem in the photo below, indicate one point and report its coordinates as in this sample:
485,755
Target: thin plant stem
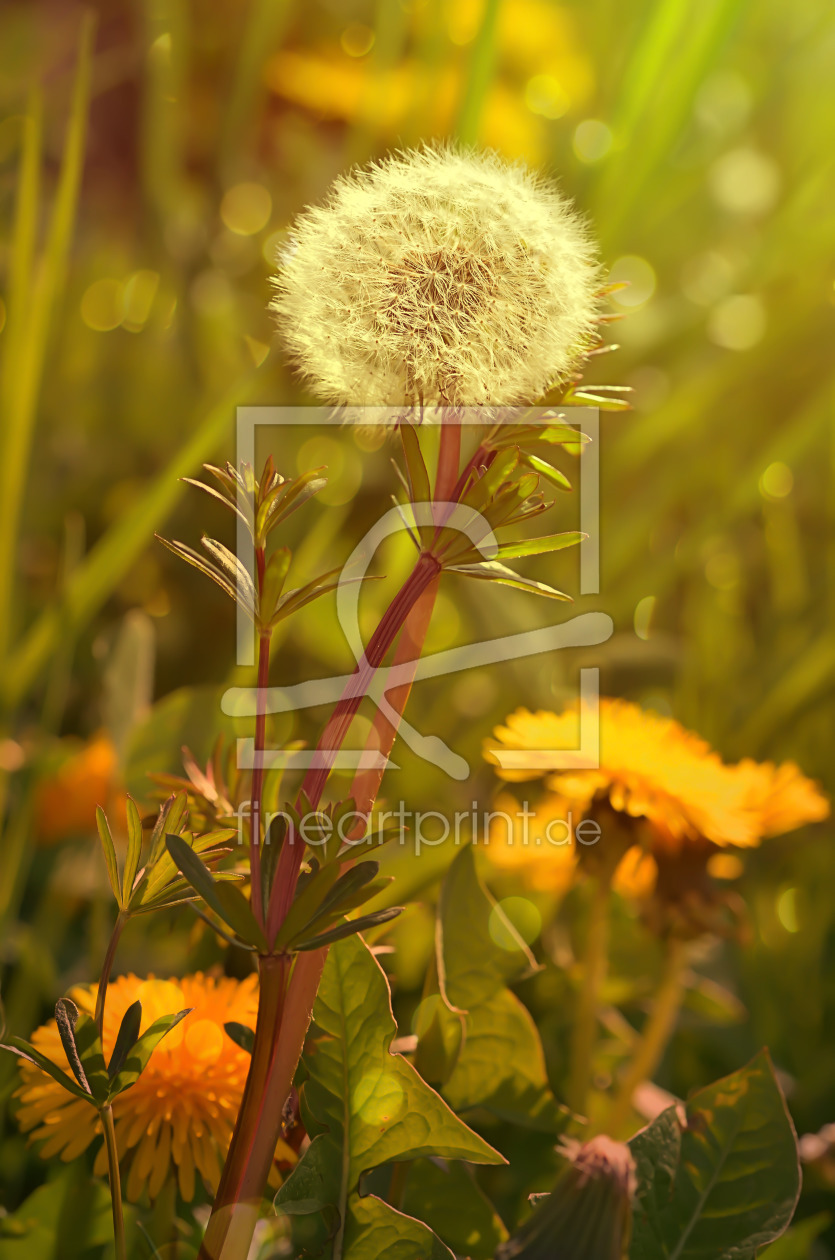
106,1114
655,1036
107,967
258,764
595,966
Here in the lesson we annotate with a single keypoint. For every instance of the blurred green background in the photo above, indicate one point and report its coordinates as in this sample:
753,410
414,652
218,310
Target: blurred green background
142,200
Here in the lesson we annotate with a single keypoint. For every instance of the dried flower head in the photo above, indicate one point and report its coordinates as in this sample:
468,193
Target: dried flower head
438,275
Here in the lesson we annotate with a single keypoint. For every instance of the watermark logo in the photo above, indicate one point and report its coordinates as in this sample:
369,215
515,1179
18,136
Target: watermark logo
582,630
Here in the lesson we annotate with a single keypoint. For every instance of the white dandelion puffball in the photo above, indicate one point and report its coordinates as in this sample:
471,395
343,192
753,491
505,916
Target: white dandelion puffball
438,276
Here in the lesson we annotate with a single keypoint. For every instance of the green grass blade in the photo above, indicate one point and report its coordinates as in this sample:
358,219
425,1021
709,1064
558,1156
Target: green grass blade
31,343
480,75
93,581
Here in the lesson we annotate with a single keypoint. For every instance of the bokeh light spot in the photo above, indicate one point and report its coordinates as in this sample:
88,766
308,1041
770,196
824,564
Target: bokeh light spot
786,907
357,39
138,298
592,140
723,102
101,306
204,1040
642,620
725,866
638,275
707,277
342,464
737,322
777,481
545,96
524,917
745,181
245,208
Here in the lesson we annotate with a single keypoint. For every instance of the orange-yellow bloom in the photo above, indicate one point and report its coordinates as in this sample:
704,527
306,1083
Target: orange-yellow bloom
182,1109
678,790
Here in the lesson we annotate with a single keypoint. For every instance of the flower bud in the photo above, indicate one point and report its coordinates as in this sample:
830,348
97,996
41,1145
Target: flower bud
588,1215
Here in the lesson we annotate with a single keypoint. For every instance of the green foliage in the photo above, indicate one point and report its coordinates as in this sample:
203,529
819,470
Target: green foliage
365,1107
724,1182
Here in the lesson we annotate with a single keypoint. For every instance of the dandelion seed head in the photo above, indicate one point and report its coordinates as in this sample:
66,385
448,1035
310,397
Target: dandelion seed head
438,275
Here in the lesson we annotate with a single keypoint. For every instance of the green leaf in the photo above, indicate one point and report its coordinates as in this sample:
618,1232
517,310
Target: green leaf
365,1106
23,1050
66,1013
540,546
134,850
419,483
109,854
472,965
242,1035
494,571
141,1051
228,903
348,928
88,1047
500,1066
723,1183
374,1229
126,1038
449,1199
798,1242
546,470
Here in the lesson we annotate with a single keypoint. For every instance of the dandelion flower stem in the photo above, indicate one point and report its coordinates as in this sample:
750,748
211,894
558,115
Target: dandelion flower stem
107,967
115,1182
655,1036
595,965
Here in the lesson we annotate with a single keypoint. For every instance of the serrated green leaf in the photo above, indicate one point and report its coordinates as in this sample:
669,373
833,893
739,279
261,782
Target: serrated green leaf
134,850
448,1198
540,546
141,1051
375,1229
500,1066
472,966
724,1183
242,1035
363,1105
126,1038
107,845
23,1050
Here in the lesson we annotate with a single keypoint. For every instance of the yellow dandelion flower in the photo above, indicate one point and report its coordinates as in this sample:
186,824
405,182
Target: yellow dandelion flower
438,275
181,1111
681,804
534,842
650,767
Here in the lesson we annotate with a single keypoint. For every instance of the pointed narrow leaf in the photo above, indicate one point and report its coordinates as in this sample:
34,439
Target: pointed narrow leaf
66,1014
88,1044
109,854
134,850
548,471
126,1038
350,927
141,1051
23,1050
540,546
241,1034
494,571
419,483
228,904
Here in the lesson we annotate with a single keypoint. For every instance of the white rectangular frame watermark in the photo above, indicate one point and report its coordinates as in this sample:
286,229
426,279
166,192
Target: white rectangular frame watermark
583,630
